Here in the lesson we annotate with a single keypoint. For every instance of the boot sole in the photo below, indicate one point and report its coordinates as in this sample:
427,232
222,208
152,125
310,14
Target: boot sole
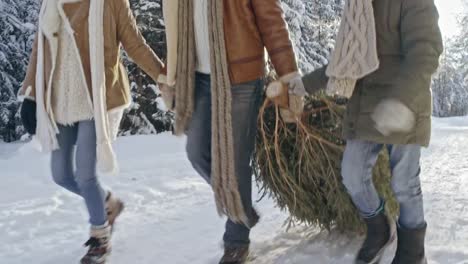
247,258
380,254
103,260
88,261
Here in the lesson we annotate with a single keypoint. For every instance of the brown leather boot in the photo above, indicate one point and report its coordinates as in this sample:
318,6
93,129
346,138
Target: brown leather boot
235,254
114,207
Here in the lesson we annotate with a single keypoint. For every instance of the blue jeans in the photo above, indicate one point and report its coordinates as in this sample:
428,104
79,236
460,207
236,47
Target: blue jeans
82,181
246,100
358,162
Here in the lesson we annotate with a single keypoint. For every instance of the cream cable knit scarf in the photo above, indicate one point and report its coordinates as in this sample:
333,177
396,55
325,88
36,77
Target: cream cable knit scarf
223,181
355,53
49,21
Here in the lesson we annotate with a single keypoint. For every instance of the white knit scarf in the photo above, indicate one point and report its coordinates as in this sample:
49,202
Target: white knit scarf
47,130
355,53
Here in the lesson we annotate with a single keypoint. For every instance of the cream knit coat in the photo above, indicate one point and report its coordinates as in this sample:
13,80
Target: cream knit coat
106,122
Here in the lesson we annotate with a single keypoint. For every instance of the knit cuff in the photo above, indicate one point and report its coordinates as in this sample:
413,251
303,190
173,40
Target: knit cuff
290,76
100,230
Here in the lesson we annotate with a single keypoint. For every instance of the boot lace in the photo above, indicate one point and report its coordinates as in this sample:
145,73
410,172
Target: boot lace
93,243
95,247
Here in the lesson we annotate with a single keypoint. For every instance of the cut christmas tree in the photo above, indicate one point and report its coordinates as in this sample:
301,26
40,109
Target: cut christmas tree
298,165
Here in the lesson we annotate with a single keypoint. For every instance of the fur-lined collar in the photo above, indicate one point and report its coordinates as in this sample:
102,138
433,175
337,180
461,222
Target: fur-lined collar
54,15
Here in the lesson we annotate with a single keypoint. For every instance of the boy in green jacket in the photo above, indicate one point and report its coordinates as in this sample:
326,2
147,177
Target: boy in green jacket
385,69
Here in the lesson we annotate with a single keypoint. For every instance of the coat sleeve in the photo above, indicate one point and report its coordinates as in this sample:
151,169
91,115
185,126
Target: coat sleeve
134,43
316,80
275,34
28,89
421,44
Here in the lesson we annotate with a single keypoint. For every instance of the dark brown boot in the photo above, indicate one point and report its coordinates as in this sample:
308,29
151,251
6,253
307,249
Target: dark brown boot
410,248
380,234
235,254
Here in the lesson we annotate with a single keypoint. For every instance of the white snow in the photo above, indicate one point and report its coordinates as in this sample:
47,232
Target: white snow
170,216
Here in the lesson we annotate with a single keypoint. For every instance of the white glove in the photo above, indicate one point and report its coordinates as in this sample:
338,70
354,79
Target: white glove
295,84
392,116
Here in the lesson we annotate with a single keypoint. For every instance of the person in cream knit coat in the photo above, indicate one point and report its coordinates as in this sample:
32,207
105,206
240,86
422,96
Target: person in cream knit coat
214,83
75,91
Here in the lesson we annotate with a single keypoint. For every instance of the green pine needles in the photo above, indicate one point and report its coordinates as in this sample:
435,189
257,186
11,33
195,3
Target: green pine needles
298,165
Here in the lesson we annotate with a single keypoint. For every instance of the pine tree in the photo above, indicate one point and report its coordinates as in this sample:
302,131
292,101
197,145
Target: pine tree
460,44
449,89
313,27
450,84
17,26
147,114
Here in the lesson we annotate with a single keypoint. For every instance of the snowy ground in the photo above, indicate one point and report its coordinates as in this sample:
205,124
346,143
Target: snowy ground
170,216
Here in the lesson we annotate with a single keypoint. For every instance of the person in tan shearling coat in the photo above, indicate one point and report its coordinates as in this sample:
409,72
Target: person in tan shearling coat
75,91
215,69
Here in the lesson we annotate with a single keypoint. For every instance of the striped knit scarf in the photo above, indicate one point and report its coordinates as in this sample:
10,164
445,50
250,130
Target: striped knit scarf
355,54
223,180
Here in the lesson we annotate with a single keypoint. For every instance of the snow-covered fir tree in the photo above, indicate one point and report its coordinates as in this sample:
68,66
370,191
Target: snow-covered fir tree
313,25
460,43
147,114
450,88
450,84
17,26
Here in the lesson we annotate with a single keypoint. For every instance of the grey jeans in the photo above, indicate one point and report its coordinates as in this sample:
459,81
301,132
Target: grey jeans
358,162
82,181
246,100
